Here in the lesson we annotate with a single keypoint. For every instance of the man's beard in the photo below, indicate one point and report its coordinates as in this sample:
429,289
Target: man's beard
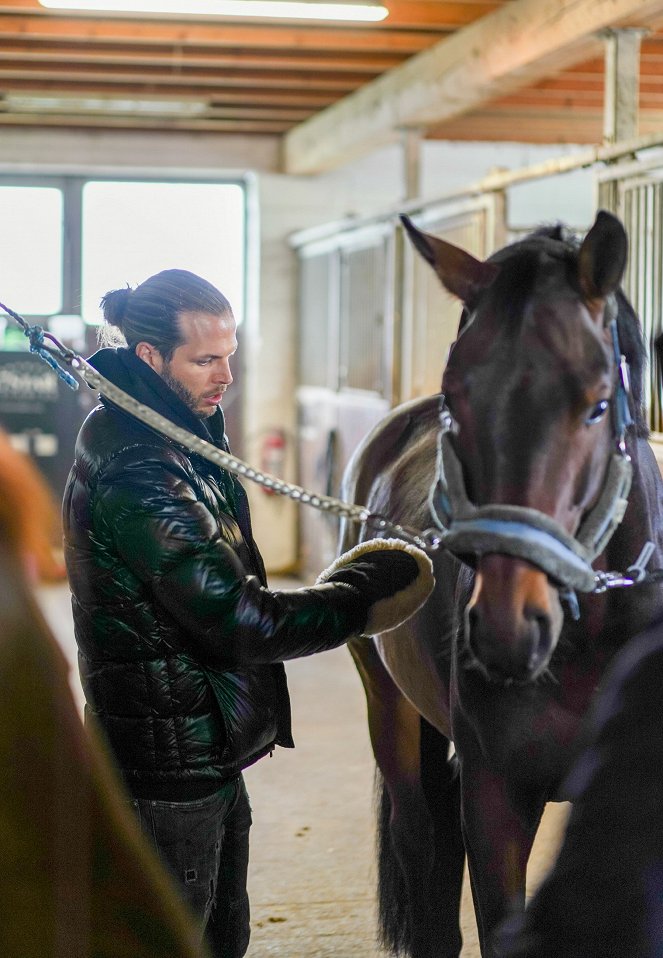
184,394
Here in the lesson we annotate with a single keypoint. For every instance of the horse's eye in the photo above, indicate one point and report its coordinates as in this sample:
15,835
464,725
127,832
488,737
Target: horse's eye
597,413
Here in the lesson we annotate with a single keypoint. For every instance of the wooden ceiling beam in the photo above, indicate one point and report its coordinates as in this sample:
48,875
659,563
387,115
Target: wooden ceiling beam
517,45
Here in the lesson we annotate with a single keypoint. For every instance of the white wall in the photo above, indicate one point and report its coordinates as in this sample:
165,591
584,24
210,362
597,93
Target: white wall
285,204
569,198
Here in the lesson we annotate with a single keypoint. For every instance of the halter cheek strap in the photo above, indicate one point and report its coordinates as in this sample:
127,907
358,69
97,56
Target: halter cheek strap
469,531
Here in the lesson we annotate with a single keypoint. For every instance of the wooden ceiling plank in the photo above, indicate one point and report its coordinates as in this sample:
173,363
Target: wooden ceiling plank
164,124
87,53
567,83
546,100
219,93
340,84
509,49
536,126
533,127
650,63
237,35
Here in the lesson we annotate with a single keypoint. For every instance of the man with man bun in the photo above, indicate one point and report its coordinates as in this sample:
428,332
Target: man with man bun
181,643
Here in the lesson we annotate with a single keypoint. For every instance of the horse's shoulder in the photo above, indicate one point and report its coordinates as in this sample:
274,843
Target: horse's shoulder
405,421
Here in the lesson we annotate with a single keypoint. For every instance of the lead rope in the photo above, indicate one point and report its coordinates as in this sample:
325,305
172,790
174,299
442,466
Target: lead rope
51,350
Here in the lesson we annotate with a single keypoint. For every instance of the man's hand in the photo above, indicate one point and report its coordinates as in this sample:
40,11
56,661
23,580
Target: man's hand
392,578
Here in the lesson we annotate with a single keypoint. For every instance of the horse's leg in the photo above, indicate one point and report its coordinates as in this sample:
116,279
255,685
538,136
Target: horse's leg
499,830
440,780
412,919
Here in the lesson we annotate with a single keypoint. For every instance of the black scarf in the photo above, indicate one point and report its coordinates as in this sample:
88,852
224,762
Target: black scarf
126,370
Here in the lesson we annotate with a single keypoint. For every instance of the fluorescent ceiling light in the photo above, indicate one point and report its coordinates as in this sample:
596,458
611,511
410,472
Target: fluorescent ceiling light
369,10
93,105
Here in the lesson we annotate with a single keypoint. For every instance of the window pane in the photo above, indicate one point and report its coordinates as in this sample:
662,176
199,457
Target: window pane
133,230
31,249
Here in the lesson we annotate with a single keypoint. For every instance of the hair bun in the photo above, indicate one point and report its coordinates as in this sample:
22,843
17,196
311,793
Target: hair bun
114,306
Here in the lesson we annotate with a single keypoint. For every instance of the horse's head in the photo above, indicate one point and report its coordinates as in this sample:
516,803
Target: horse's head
529,392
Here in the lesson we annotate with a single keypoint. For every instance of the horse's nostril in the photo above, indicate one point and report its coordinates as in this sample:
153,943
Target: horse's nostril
515,650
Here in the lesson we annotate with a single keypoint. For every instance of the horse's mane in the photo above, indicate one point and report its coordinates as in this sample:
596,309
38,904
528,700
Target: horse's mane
562,243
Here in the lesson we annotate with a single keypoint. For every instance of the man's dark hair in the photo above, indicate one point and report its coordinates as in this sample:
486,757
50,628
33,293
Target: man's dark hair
149,313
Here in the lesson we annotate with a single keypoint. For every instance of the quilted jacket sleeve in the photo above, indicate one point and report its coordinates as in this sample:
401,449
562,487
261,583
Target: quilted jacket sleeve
147,507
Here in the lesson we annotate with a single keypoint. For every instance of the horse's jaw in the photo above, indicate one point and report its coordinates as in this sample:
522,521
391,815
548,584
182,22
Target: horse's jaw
512,622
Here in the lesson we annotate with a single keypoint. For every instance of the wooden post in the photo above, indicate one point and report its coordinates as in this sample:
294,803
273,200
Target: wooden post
411,137
622,76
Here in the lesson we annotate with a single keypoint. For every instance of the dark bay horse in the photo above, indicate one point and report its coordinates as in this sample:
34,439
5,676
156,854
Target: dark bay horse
525,460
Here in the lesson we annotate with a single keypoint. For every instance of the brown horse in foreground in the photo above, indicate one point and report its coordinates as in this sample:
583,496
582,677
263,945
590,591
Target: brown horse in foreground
525,459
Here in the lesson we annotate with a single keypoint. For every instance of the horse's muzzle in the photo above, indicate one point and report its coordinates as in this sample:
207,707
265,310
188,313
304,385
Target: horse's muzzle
512,621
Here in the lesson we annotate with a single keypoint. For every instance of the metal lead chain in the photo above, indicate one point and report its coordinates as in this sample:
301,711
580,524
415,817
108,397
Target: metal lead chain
428,540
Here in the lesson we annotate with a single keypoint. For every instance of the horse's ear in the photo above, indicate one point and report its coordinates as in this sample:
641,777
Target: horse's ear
602,257
461,274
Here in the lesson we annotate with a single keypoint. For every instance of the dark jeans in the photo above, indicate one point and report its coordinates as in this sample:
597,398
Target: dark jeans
205,844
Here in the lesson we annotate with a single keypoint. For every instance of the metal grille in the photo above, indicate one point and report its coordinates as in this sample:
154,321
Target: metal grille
639,204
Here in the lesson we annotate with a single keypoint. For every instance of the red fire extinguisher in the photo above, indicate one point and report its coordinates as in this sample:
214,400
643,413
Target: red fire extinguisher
272,456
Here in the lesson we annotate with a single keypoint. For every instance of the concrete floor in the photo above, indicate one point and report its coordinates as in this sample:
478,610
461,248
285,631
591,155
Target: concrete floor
312,869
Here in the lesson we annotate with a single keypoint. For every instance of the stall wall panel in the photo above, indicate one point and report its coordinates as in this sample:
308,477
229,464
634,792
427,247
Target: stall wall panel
318,293
363,317
346,332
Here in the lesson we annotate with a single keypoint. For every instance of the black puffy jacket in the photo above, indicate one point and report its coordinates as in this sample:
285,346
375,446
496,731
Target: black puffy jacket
180,643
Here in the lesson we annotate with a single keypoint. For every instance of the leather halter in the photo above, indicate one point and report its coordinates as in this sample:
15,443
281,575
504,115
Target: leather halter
469,531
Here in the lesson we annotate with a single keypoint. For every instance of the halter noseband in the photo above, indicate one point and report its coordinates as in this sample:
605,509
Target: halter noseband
468,530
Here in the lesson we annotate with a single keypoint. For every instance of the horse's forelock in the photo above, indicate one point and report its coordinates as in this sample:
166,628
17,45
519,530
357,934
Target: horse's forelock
558,232
556,239
515,283
520,263
560,242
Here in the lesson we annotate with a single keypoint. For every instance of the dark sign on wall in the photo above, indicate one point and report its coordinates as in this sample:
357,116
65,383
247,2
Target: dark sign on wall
41,414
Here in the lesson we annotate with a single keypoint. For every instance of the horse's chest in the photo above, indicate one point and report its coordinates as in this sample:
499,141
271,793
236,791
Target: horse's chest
526,735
